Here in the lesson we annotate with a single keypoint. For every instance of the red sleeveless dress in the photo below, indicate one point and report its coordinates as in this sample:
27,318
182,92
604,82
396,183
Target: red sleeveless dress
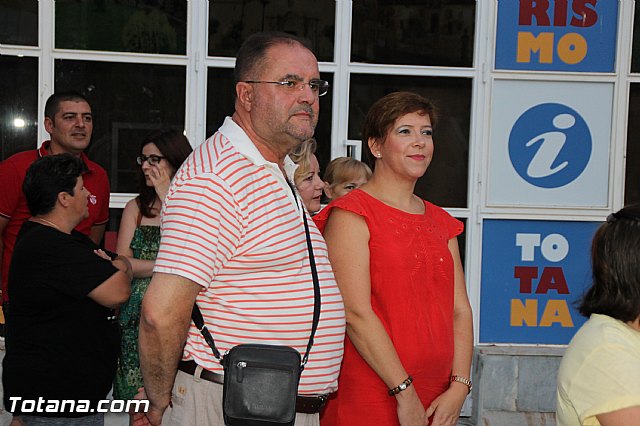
412,283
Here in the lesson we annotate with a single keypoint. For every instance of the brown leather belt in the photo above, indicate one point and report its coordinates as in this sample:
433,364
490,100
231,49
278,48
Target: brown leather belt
304,404
189,367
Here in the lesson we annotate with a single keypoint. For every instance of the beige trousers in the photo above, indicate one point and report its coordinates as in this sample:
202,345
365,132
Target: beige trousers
198,402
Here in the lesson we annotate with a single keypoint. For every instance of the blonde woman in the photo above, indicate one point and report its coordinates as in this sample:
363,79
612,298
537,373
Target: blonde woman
307,175
343,175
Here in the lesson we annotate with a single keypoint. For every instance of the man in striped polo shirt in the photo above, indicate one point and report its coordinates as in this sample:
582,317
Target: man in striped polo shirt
233,241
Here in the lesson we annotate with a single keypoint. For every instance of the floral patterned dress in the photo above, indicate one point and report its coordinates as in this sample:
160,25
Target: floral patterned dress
145,244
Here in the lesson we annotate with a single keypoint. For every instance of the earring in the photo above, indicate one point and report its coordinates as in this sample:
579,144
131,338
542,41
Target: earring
378,155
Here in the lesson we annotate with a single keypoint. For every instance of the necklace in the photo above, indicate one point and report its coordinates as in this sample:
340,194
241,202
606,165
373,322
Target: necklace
48,223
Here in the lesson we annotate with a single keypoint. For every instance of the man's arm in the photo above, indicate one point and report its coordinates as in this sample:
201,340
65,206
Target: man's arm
3,224
164,322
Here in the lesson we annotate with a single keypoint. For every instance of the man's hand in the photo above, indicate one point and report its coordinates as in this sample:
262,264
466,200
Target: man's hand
151,418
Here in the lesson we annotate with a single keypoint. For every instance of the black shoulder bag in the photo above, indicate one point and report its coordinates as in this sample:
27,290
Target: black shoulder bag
261,381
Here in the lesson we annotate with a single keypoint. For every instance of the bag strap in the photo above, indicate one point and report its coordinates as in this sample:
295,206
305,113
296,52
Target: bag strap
196,316
198,320
316,290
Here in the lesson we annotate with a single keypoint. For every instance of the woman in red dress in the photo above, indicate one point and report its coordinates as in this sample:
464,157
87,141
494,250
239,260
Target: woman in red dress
396,260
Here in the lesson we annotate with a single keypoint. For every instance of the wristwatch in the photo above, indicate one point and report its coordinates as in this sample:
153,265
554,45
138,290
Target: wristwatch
462,380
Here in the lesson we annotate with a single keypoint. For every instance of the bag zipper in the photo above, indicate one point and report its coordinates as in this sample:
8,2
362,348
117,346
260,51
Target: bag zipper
241,365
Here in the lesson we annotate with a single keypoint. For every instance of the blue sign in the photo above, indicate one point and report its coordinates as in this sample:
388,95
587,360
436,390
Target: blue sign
533,272
550,145
557,35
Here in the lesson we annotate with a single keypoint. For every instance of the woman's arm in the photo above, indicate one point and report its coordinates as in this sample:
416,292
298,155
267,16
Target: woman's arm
116,289
347,237
446,407
625,417
128,224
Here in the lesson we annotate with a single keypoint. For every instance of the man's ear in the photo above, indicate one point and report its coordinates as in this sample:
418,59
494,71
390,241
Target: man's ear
49,125
244,95
64,198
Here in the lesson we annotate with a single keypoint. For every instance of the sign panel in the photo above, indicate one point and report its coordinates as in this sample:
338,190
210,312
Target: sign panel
557,35
550,143
532,273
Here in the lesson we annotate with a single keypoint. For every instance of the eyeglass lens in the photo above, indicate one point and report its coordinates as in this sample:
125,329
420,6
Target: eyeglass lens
152,159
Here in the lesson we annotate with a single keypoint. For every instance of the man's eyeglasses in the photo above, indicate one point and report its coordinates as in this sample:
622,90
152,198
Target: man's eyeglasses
317,86
153,160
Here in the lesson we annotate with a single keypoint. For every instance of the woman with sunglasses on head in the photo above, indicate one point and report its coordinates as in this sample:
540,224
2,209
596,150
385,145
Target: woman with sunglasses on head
162,152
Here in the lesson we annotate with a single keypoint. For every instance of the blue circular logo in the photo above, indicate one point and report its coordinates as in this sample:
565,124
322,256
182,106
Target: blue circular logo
550,145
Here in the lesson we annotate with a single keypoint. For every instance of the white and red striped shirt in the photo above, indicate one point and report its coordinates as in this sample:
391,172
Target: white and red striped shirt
231,224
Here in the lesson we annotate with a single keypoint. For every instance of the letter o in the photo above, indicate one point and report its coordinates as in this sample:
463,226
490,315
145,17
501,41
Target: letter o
572,48
554,247
117,406
28,406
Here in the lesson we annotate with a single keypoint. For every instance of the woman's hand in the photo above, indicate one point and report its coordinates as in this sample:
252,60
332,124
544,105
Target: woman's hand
124,265
101,253
160,180
446,407
411,412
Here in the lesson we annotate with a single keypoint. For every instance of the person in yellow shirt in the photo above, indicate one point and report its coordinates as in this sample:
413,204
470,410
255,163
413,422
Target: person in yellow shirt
599,376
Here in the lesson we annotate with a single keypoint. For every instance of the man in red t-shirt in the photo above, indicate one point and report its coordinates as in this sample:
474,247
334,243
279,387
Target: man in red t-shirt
69,122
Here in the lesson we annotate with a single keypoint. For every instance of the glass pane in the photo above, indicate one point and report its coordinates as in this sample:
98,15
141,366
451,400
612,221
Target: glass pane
18,105
462,241
445,182
414,32
232,21
128,101
221,96
19,22
632,174
220,103
635,54
122,26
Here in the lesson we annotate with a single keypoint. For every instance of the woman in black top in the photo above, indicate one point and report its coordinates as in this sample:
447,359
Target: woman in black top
62,342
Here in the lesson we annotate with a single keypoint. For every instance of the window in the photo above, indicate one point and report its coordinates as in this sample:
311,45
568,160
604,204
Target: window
232,21
635,55
19,22
122,26
18,104
411,32
452,97
128,101
632,171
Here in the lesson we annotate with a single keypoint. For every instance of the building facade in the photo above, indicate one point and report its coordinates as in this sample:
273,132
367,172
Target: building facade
536,145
